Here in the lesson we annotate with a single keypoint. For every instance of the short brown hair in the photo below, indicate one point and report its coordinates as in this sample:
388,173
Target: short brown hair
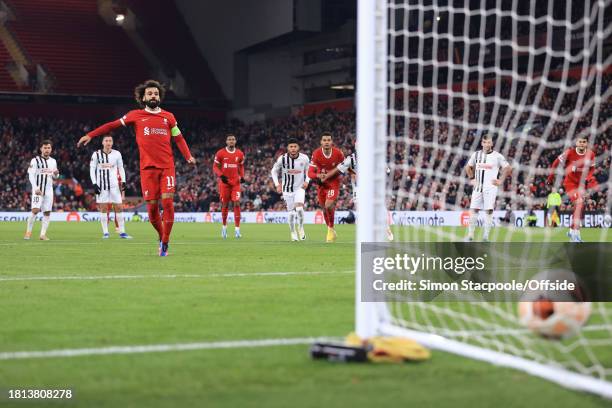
326,134
45,142
150,83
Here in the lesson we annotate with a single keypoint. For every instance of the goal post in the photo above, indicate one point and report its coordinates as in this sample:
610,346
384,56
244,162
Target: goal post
433,77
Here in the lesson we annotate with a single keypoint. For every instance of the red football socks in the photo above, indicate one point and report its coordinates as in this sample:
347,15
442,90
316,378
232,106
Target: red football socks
168,218
154,218
224,211
236,215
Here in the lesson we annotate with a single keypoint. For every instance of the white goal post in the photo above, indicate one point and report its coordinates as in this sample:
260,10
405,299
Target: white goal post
445,92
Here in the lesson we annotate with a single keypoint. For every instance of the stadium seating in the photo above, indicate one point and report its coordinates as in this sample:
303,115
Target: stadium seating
80,51
6,82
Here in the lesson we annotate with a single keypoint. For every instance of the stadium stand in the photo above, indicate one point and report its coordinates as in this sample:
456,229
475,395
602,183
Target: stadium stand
71,41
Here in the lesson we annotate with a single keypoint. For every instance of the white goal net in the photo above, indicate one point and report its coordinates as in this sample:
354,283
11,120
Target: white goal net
434,77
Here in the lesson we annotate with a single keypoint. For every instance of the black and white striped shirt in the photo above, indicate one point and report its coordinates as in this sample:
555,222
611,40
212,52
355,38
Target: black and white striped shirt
103,169
294,172
486,169
40,174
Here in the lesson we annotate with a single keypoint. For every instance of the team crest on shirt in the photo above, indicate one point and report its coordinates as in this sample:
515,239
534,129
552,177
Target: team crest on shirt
165,120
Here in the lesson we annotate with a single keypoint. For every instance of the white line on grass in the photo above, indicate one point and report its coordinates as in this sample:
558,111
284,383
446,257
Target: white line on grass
160,348
166,276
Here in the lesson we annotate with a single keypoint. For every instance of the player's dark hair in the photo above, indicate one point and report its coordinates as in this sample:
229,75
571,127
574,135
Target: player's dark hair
45,142
292,141
230,135
326,134
487,137
150,83
105,136
582,136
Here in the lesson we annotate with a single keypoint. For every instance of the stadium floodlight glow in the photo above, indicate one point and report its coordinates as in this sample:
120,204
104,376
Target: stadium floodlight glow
348,87
426,93
119,18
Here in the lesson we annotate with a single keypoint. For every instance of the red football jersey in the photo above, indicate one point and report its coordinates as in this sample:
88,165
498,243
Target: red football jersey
152,136
321,164
576,165
229,164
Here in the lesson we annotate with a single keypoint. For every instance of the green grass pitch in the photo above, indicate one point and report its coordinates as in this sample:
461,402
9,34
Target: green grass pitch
223,291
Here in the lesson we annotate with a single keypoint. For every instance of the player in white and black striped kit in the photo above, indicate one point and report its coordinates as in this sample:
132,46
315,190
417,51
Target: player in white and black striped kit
104,166
483,168
41,173
293,167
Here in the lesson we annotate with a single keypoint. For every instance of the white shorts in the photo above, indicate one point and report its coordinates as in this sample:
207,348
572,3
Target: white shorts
43,202
109,196
292,198
484,200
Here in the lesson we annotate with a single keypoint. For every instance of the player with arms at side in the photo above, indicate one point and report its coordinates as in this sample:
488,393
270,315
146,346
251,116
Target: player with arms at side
349,165
293,166
103,168
41,173
228,165
155,128
483,168
579,165
325,160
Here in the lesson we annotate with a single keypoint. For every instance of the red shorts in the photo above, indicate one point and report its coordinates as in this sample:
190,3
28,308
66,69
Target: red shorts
155,182
325,193
575,192
228,192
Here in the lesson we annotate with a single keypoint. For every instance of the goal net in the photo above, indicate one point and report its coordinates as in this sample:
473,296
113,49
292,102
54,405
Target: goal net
433,78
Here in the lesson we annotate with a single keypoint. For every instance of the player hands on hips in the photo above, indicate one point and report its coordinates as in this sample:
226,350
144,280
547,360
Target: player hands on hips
324,160
483,168
41,173
293,168
105,170
579,165
228,165
155,130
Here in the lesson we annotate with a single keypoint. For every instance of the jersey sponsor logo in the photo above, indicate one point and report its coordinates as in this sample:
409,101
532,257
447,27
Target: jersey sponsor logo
291,171
484,166
46,171
106,165
155,131
229,165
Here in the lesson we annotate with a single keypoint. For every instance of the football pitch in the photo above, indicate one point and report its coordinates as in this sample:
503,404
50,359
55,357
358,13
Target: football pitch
217,324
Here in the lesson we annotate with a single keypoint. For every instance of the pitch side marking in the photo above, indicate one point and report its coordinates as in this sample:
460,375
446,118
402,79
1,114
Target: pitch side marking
169,276
161,348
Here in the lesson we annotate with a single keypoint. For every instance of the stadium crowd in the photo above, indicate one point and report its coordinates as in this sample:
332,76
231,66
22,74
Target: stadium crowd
426,157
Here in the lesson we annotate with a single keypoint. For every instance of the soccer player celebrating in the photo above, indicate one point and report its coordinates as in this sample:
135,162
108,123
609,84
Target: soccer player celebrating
42,171
483,167
103,168
293,166
154,128
324,160
579,164
229,168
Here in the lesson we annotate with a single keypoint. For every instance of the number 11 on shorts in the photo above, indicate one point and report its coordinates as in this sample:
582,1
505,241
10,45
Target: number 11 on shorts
170,180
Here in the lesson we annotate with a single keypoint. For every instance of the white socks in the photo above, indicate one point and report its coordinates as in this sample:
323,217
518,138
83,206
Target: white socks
31,220
292,217
104,221
472,224
300,216
45,225
121,222
488,224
